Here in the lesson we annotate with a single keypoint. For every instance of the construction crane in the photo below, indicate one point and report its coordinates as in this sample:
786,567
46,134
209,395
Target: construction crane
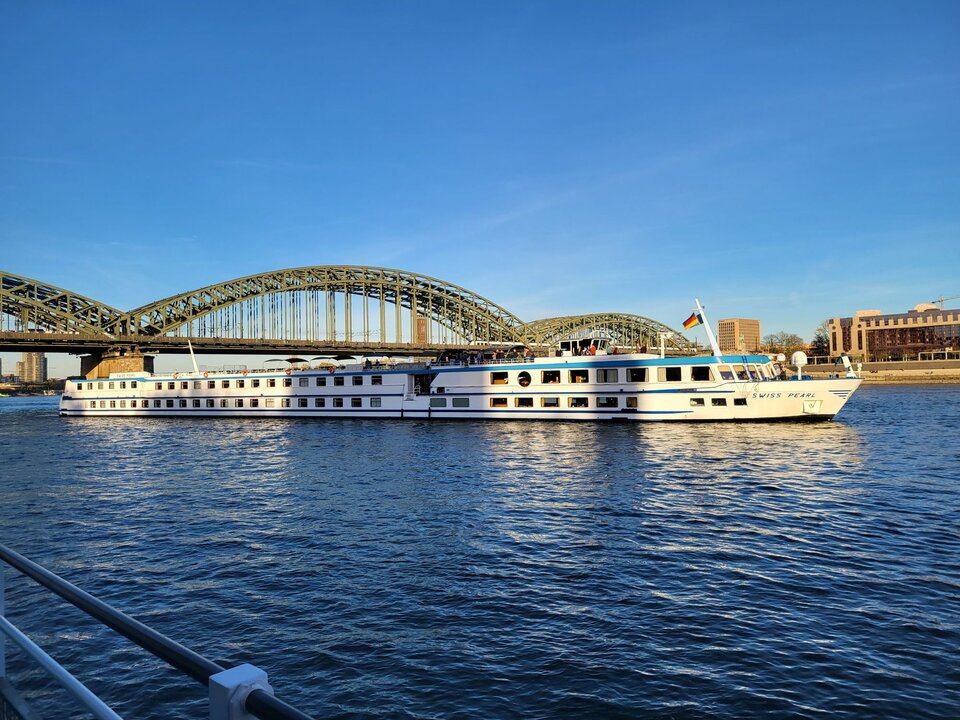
940,300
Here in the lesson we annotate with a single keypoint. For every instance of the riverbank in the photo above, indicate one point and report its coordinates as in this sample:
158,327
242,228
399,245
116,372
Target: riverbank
911,372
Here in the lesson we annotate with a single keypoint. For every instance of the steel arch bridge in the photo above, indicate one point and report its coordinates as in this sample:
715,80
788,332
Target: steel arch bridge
33,305
328,304
624,329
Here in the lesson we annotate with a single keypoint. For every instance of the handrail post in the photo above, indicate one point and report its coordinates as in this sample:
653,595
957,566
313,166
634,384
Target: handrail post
229,690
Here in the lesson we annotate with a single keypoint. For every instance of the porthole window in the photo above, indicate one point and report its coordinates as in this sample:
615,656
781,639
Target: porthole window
523,378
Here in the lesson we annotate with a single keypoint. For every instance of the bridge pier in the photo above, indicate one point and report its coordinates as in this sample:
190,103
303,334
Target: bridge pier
100,365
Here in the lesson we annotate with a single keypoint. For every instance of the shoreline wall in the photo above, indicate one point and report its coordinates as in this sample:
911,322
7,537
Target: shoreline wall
903,372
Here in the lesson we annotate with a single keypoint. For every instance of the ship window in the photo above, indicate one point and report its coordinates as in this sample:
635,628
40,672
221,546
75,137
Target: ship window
669,374
93,403
578,402
196,384
103,403
632,402
524,402
338,380
338,402
285,402
608,375
224,403
272,382
498,402
700,373
169,403
100,386
110,386
133,383
726,374
196,403
241,383
255,382
358,379
739,401
287,382
159,386
304,382
156,403
438,402
356,402
183,403
498,378
123,403
321,381
696,402
579,376
319,402
461,402
550,377
550,402
89,386
524,379
123,385
210,403
144,403
302,402
184,385
719,402
608,402
376,379
239,402
171,385
375,402
211,384
79,386
269,402
255,402
740,371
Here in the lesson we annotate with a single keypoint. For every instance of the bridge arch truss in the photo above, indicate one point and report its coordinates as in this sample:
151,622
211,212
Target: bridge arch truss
331,303
625,329
30,305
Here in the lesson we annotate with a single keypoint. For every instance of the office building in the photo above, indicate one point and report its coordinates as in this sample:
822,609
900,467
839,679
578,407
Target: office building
871,335
738,335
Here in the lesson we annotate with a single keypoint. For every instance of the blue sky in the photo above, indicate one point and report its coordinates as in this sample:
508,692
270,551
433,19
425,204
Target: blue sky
784,161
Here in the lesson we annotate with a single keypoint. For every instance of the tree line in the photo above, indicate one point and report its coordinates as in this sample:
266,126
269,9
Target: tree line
784,342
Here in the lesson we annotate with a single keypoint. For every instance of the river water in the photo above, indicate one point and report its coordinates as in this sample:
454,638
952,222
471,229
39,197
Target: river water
381,569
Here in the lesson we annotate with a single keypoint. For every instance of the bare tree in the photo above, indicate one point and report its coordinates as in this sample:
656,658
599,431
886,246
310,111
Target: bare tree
783,342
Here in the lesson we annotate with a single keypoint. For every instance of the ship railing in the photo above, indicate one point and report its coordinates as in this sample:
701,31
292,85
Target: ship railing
235,693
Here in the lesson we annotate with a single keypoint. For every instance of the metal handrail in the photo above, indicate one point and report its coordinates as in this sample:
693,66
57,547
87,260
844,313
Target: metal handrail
258,702
97,707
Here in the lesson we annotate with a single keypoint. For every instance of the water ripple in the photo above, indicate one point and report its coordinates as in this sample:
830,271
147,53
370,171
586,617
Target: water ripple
447,570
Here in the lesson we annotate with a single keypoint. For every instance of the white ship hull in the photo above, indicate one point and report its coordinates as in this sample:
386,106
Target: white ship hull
635,387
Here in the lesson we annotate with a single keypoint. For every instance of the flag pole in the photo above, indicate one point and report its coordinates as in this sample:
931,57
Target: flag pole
706,326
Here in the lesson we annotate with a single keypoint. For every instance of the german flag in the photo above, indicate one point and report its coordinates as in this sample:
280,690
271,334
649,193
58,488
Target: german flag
692,321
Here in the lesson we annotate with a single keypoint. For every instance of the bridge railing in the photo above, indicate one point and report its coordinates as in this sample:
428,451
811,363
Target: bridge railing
235,693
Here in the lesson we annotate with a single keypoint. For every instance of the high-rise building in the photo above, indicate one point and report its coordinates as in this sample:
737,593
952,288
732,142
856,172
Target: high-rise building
33,367
738,335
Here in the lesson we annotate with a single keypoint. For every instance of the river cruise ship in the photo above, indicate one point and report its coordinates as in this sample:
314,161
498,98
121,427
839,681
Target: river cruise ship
582,380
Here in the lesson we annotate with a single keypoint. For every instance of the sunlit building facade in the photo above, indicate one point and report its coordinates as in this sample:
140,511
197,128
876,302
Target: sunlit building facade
871,335
738,335
32,368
